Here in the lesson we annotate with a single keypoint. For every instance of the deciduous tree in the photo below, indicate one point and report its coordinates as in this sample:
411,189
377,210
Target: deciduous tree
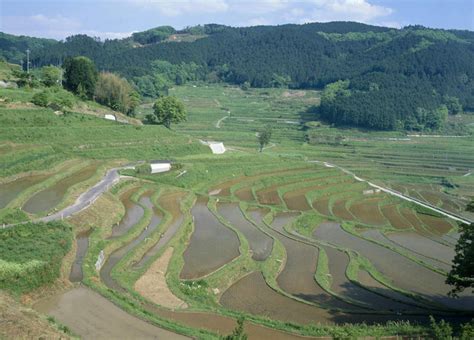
167,110
264,136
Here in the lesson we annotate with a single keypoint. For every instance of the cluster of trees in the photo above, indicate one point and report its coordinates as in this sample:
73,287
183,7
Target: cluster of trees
163,74
81,77
116,93
397,78
402,103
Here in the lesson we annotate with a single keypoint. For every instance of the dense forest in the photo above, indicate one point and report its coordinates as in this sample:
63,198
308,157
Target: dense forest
373,77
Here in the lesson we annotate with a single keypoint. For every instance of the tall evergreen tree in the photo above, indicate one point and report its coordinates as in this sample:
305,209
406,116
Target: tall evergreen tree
80,76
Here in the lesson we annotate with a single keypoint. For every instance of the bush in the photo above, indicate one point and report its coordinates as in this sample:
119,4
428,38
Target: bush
41,99
31,254
441,330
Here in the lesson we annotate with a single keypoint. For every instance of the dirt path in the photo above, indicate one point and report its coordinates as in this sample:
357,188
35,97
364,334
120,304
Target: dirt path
91,316
152,285
218,123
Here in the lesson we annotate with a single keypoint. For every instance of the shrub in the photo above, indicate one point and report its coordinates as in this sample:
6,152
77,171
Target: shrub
31,254
41,99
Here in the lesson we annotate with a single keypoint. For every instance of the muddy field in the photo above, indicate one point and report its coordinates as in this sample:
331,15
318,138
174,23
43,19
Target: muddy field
91,316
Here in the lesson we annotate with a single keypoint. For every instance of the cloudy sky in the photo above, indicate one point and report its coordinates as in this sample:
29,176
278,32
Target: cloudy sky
118,18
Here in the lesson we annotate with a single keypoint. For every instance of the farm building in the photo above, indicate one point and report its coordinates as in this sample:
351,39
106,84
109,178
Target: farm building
160,166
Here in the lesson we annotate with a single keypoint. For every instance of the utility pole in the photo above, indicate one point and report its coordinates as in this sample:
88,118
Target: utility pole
28,61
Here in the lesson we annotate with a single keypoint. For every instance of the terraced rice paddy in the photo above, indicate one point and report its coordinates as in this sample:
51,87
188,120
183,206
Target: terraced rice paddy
50,197
406,274
170,202
322,246
116,256
211,245
260,243
10,190
133,213
82,243
301,262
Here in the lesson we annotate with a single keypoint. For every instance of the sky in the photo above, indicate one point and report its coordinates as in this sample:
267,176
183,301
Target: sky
119,18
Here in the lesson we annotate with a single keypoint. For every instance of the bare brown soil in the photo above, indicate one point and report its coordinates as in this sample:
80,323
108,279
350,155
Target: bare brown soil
152,285
367,211
245,194
437,225
339,209
322,206
391,213
269,195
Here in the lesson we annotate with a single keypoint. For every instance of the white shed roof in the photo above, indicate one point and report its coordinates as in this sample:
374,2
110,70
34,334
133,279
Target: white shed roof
160,167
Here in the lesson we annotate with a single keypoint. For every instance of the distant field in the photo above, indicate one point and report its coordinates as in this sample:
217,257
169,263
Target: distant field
438,166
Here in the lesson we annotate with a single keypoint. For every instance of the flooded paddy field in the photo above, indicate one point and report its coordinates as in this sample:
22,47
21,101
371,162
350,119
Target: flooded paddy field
221,324
338,262
171,203
82,242
117,255
301,263
212,244
50,197
11,190
403,272
133,213
383,239
424,246
260,243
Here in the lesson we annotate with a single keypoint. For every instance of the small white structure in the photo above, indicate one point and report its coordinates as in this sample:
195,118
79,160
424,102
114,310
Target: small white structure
217,148
161,166
110,117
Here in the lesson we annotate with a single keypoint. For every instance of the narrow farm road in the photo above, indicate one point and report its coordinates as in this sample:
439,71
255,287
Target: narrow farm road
399,194
86,198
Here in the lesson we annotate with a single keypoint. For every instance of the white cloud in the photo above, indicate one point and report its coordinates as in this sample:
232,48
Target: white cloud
57,27
258,7
339,10
258,21
179,7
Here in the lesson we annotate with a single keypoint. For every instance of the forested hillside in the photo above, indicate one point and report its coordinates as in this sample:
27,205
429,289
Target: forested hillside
388,79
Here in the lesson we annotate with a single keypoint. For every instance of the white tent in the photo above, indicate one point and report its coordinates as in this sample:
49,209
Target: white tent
109,117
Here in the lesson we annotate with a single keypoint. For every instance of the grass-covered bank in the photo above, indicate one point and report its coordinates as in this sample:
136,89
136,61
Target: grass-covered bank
31,255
